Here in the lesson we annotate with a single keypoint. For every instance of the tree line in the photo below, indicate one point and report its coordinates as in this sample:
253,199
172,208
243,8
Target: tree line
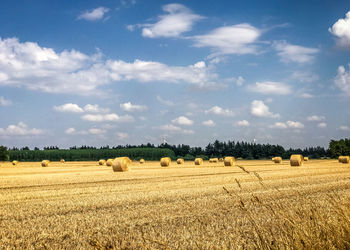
149,151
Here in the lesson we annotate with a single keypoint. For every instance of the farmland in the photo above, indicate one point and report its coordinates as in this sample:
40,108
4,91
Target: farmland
255,204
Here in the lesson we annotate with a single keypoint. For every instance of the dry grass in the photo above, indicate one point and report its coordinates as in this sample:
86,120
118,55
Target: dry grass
255,204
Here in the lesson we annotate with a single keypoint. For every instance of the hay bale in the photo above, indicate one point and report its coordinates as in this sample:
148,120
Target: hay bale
198,161
62,161
273,159
101,162
306,158
142,161
121,164
45,163
125,157
180,161
213,160
109,162
221,159
165,161
340,158
14,163
296,160
229,161
345,159
277,159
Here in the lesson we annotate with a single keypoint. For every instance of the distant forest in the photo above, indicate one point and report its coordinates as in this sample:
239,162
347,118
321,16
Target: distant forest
149,151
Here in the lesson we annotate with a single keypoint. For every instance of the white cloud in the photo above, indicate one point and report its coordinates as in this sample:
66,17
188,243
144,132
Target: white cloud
165,102
341,29
188,131
316,118
243,123
240,81
235,39
69,107
21,129
179,19
5,102
216,110
342,80
304,76
305,95
97,131
344,128
122,136
70,131
170,128
259,109
294,53
27,65
209,123
288,124
94,108
322,125
107,118
182,120
273,88
132,107
94,15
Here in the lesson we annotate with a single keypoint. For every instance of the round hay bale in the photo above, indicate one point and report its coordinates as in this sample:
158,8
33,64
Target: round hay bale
121,165
109,162
306,158
229,161
273,159
62,161
198,161
340,158
165,161
101,162
180,161
296,160
221,159
213,160
14,163
45,163
345,159
125,157
142,161
277,159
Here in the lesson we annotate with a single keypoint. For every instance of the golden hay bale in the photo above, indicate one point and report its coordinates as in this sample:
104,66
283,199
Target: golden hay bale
45,163
109,162
14,163
277,159
121,165
62,161
142,161
221,159
180,161
273,159
165,161
306,158
198,161
101,162
124,157
213,160
229,161
296,160
345,159
340,158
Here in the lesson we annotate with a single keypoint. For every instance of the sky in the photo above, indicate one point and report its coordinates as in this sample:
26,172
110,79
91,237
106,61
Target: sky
186,72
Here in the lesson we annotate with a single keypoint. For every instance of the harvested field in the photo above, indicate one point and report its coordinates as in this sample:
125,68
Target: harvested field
254,204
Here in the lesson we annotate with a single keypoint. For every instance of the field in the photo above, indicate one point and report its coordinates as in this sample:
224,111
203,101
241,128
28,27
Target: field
255,204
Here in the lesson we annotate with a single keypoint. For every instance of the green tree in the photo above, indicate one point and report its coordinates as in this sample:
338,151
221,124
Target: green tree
4,154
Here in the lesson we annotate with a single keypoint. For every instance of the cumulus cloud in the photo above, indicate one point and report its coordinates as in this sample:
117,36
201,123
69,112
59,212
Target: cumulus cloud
69,107
5,102
344,128
27,65
209,123
240,81
21,129
316,118
122,136
305,95
70,131
304,76
259,109
97,131
341,30
94,15
270,88
342,80
294,53
179,19
216,110
322,125
235,39
170,128
107,118
165,102
243,123
132,107
288,124
182,120
94,108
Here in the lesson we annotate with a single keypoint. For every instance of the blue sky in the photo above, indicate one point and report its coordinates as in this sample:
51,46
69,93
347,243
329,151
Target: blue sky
132,72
